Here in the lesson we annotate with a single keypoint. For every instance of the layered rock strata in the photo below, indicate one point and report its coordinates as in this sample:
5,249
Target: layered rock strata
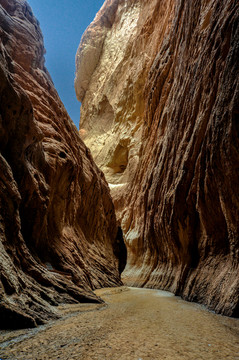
58,233
160,113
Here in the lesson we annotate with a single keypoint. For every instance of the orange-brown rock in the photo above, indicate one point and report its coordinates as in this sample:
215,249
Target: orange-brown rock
58,233
160,113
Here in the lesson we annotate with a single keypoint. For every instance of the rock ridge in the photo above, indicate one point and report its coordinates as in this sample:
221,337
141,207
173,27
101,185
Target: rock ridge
161,119
59,238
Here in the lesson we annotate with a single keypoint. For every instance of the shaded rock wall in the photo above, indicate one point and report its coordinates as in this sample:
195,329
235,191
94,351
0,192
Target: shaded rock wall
58,233
172,87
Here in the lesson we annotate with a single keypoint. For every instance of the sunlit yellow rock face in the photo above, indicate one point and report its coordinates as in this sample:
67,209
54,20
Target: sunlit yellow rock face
112,64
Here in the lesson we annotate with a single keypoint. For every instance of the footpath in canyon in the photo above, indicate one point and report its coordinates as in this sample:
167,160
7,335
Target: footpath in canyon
133,324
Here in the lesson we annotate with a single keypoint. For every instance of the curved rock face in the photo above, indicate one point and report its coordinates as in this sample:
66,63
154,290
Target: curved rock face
58,233
112,67
160,113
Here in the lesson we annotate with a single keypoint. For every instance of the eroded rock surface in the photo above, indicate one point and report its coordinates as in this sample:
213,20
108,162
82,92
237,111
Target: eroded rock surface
160,114
58,233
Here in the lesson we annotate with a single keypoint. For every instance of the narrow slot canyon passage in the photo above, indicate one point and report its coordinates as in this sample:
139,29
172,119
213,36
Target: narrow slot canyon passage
133,324
152,172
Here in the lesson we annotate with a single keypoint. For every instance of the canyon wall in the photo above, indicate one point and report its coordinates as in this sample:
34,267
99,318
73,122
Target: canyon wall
158,82
58,233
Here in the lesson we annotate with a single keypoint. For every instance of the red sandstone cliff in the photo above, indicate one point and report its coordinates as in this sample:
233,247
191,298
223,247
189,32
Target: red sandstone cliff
158,81
58,233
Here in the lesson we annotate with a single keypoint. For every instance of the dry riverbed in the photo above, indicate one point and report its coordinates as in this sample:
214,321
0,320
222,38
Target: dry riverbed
134,324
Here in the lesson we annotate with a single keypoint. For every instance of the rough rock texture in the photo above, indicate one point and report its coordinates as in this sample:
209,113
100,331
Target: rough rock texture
58,233
160,112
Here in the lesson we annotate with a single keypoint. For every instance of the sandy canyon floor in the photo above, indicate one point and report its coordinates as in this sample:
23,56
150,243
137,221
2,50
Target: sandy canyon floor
133,324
